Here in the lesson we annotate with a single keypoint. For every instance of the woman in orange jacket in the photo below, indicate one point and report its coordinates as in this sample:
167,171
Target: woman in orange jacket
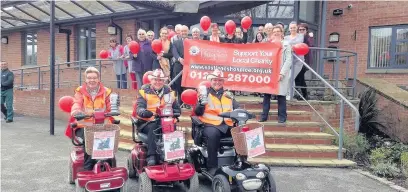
91,96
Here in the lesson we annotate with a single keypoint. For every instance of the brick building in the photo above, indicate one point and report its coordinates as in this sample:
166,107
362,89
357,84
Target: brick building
380,40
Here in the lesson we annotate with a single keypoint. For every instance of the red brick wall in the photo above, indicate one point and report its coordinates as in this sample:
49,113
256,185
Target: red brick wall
363,15
11,52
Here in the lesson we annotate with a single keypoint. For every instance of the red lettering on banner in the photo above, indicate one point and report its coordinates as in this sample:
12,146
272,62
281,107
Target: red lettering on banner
246,67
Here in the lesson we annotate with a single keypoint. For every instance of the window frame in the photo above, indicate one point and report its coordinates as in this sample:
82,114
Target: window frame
24,43
392,51
88,54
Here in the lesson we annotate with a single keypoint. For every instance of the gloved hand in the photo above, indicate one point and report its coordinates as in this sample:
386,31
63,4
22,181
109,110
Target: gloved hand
201,101
146,114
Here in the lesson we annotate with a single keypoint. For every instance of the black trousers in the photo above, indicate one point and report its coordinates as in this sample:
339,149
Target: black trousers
282,115
151,143
89,163
300,81
213,137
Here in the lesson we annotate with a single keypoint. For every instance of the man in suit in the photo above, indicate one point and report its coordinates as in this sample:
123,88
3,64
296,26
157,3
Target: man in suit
178,53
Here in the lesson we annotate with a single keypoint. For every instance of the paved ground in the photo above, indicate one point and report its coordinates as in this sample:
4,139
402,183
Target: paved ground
31,160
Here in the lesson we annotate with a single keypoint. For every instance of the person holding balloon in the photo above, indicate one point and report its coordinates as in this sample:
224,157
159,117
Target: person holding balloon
213,101
116,52
149,97
144,59
129,56
284,78
162,48
91,96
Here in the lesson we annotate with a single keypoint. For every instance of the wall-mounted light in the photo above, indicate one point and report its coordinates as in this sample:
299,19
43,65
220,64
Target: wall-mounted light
4,40
334,37
112,30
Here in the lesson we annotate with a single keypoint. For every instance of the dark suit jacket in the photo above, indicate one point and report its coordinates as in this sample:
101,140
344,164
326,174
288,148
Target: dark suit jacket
178,52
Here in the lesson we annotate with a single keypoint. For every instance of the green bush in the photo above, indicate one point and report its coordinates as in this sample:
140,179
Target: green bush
404,163
380,155
357,146
386,169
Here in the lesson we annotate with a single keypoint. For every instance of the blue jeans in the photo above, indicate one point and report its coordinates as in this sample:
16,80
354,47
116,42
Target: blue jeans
121,80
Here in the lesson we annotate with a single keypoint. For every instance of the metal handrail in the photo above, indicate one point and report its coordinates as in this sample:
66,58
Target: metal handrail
343,100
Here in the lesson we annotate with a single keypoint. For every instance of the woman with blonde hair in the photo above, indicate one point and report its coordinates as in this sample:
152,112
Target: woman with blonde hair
162,61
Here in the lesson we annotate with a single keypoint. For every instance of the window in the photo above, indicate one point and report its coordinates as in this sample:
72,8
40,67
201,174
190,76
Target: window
86,43
388,47
30,48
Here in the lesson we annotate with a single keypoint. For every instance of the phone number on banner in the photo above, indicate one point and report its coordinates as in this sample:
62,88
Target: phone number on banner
234,77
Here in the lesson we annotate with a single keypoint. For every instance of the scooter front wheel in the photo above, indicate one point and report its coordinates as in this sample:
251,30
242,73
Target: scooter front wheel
220,184
193,183
145,184
271,185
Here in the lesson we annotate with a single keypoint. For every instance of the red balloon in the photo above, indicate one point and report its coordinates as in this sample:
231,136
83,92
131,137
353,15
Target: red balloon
65,103
301,49
146,78
189,97
230,27
104,54
134,47
205,23
157,46
246,22
171,34
206,83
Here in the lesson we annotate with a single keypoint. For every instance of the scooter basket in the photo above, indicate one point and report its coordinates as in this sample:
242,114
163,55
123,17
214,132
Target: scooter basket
240,139
91,130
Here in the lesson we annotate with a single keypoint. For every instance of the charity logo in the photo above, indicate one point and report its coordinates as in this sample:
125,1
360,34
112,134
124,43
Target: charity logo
194,50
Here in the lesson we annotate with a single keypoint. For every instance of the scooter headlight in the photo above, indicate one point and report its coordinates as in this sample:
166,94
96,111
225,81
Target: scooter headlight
260,175
240,176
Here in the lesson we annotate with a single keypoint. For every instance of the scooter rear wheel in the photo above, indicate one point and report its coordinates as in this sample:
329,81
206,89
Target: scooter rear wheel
220,184
131,170
70,172
193,183
145,184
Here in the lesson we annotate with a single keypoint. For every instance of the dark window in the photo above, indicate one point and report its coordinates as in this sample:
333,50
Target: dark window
30,48
86,43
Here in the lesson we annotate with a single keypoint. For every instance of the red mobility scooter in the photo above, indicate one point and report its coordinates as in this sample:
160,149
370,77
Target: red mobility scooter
173,166
102,143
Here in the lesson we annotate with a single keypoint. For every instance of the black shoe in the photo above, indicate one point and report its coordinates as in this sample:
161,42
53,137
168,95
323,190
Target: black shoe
151,160
9,121
282,121
262,120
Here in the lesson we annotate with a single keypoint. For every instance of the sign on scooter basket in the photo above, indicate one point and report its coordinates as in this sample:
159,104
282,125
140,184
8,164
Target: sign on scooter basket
174,145
249,139
255,142
104,143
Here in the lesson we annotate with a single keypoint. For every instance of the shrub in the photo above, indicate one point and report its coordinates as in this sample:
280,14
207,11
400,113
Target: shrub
404,163
386,169
380,155
356,145
369,123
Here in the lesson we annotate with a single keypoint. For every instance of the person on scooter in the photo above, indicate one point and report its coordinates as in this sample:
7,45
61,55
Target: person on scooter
216,101
91,96
150,96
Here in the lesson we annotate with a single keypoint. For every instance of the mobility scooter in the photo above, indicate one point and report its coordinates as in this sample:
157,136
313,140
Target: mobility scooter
235,173
173,166
102,143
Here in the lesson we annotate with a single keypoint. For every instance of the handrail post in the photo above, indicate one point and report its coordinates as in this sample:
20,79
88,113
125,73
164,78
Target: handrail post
336,70
355,75
39,77
347,67
58,75
21,77
80,76
341,131
100,70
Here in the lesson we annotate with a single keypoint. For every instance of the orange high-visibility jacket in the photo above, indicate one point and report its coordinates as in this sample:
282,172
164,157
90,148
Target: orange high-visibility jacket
214,107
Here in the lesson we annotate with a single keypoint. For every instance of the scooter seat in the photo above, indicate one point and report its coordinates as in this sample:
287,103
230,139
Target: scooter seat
142,137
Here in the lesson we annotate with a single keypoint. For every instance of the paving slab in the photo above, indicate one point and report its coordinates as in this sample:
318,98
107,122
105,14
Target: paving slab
32,160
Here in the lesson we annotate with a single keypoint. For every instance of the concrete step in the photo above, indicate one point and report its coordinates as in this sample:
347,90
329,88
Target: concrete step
273,114
284,151
289,126
275,137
